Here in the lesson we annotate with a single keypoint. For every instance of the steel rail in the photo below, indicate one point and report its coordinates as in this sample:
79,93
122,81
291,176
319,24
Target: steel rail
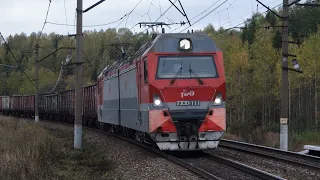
173,159
245,168
177,161
289,156
184,164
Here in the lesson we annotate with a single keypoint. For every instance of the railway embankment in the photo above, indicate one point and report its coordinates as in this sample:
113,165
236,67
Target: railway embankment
45,151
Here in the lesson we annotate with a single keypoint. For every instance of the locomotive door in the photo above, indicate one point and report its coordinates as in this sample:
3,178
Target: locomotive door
139,82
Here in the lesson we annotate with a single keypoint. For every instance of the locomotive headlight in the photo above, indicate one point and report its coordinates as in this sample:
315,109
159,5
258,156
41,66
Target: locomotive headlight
156,100
218,100
185,44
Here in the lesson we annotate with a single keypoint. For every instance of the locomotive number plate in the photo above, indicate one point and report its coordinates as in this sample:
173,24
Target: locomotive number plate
188,103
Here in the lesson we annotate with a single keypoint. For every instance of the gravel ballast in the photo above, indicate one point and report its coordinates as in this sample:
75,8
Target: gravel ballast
220,170
130,161
276,167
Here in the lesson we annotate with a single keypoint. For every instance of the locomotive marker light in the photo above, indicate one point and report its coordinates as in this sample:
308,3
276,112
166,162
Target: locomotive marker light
185,44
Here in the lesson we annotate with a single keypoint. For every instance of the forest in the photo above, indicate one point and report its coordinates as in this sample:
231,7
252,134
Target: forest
252,60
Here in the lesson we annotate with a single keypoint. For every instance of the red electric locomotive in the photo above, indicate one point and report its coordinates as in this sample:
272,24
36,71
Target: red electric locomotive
171,93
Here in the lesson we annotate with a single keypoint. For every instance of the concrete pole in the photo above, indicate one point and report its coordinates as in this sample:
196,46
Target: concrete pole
285,81
36,97
79,79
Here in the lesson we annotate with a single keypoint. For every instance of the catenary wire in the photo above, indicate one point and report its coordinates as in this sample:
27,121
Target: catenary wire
223,10
44,24
250,13
97,25
162,14
65,14
132,11
199,14
205,15
237,26
19,65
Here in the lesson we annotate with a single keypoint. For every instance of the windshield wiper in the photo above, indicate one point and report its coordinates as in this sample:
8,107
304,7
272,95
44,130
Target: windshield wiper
179,72
191,71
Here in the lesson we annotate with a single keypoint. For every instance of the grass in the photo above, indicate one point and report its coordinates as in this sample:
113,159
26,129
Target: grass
266,137
304,138
33,151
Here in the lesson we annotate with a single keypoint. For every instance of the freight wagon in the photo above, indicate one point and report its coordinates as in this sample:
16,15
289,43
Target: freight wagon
57,106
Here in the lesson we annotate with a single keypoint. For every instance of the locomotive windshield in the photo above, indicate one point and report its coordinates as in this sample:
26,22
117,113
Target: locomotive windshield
186,67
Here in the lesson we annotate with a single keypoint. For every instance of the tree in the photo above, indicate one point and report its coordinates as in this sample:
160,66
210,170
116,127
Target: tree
271,19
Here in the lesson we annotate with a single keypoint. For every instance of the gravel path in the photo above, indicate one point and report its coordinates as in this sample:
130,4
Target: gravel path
276,167
132,162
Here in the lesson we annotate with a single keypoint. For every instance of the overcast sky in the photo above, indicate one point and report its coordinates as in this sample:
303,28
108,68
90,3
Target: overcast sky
28,15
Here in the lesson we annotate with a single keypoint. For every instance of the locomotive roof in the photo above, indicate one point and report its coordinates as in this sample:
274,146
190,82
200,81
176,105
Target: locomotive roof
168,43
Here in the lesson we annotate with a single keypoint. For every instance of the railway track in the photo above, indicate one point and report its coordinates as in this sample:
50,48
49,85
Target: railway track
200,172
247,169
190,167
288,156
226,168
192,164
198,165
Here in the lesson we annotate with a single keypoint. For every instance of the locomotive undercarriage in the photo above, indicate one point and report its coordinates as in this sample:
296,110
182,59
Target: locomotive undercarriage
126,132
198,141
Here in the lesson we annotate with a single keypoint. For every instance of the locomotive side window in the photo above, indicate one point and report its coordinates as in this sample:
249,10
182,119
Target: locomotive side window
145,69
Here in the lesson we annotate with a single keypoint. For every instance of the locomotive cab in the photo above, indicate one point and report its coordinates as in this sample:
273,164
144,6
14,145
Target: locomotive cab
187,92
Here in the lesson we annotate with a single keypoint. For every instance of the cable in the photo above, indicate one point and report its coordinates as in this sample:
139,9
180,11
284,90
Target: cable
220,11
183,12
74,22
147,13
225,30
45,21
57,80
166,11
263,12
208,13
19,65
128,14
205,15
228,6
250,13
95,25
121,22
199,14
65,14
237,26
205,10
161,11
150,6
132,11
237,13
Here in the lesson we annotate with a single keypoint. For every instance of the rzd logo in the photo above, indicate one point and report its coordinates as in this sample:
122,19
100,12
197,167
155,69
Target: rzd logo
185,93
